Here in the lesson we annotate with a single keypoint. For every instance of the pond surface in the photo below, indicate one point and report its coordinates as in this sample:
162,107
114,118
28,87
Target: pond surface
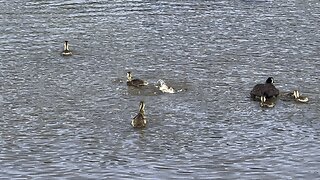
69,117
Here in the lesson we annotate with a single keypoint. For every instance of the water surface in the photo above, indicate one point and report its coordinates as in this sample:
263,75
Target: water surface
69,117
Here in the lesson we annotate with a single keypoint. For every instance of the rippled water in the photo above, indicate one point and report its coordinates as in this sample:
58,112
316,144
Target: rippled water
69,117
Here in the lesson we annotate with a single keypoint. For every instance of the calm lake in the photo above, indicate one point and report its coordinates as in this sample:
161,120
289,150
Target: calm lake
69,117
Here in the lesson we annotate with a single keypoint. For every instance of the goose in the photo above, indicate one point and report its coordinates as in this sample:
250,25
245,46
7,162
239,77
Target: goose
139,121
66,51
267,89
135,82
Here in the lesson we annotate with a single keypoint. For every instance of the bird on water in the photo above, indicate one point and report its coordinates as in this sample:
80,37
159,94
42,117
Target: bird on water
268,103
66,51
139,121
267,89
135,82
299,98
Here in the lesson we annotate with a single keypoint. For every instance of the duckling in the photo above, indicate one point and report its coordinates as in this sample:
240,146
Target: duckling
299,98
165,88
267,89
135,82
264,102
66,51
139,121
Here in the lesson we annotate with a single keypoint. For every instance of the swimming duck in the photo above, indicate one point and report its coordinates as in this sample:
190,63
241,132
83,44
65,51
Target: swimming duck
267,89
135,82
299,98
163,87
139,121
66,51
264,102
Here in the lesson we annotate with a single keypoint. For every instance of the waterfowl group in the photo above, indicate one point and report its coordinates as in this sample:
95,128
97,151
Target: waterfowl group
66,51
266,93
139,121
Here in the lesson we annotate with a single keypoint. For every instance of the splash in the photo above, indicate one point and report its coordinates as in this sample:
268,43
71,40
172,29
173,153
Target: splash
163,87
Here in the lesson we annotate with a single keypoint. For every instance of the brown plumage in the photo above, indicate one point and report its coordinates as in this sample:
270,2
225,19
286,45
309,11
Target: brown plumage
139,121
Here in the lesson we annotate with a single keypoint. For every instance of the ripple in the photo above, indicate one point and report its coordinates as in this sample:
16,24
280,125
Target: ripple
70,117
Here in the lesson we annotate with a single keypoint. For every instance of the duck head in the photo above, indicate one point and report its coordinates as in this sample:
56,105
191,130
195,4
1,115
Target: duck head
296,94
270,80
141,107
66,46
129,76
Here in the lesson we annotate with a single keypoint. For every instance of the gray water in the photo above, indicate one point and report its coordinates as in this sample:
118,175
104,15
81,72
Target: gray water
69,117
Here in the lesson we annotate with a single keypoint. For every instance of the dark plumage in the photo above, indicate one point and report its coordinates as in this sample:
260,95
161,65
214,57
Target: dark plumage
135,82
139,121
267,89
